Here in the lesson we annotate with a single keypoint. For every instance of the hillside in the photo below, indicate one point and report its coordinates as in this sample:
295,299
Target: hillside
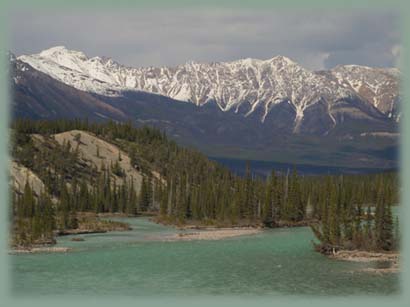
114,168
101,154
20,176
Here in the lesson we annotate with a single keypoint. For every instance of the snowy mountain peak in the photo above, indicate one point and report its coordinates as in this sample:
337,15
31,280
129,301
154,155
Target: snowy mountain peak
250,84
52,50
379,86
59,53
248,62
282,60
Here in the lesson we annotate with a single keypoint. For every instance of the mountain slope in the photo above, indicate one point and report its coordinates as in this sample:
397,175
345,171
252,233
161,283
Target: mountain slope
100,154
378,86
292,115
245,86
37,95
21,175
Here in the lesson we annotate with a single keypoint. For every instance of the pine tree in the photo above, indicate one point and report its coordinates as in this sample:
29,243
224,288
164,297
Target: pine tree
386,237
144,198
267,210
64,208
28,200
383,223
368,233
397,237
358,235
249,196
334,223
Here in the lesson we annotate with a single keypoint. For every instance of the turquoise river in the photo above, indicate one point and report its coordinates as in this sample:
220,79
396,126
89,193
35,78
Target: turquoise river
140,263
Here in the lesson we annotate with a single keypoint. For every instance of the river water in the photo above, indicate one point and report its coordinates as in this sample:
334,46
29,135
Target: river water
138,263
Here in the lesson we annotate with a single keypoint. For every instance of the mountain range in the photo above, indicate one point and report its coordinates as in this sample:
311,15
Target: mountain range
271,110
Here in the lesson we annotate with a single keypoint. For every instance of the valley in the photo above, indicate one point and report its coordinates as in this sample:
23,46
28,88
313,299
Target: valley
260,163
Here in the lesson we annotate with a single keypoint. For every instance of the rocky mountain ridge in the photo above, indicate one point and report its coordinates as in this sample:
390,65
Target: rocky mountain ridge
341,117
244,86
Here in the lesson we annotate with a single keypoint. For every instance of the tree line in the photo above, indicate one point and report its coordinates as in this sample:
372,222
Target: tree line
351,216
191,188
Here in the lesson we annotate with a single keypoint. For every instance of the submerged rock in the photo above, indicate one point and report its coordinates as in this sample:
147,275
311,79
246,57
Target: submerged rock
77,239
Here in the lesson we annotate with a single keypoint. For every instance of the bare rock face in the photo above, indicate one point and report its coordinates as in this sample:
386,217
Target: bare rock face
99,153
20,175
378,86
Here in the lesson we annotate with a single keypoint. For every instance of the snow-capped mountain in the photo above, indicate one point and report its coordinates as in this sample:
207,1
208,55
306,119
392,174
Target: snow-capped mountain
378,86
254,109
247,84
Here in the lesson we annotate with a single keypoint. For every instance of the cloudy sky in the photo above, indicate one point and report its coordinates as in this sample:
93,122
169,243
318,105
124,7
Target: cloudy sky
315,39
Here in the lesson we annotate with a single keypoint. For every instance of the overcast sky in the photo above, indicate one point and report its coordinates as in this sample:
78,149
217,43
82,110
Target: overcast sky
315,39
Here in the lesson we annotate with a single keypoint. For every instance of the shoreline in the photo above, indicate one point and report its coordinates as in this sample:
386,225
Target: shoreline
90,223
208,232
39,249
241,224
213,234
69,232
390,260
204,233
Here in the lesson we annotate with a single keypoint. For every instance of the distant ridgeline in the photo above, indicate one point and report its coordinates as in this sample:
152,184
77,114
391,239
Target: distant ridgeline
78,167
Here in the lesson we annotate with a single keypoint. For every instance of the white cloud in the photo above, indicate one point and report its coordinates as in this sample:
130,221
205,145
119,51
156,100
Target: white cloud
397,51
316,39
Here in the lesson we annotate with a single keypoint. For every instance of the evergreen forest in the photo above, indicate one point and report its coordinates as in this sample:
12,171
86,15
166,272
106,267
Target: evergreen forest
344,211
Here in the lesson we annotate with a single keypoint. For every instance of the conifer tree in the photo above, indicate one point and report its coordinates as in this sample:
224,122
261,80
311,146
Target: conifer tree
368,233
144,198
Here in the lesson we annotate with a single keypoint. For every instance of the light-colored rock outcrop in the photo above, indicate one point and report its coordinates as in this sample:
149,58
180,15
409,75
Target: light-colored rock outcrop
97,152
19,175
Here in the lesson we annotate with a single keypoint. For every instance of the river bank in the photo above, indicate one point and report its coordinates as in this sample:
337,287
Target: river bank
217,230
88,223
215,234
94,224
209,230
243,223
39,249
388,261
91,223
